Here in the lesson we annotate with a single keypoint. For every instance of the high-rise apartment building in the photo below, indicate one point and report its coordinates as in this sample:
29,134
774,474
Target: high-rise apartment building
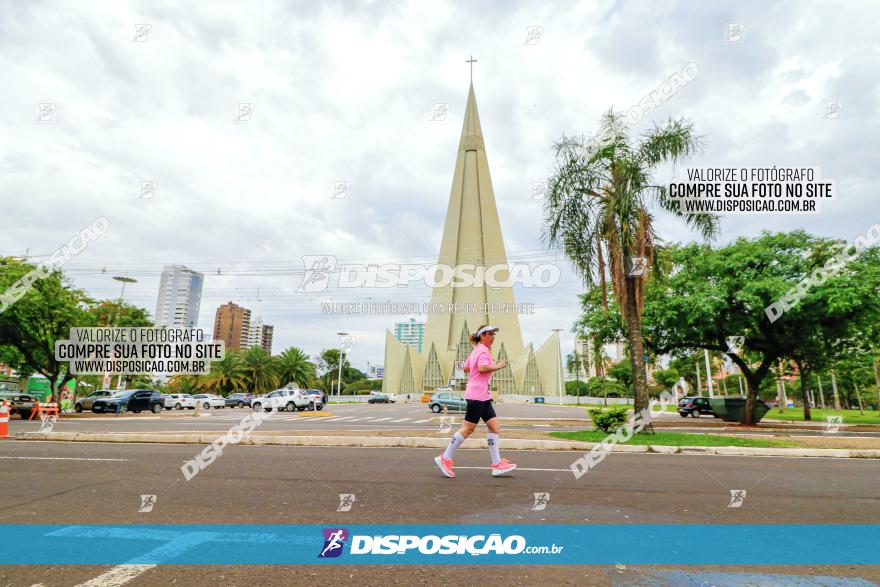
180,295
232,324
260,335
410,333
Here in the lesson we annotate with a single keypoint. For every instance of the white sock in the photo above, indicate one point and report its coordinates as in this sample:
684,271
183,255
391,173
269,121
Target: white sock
492,439
457,441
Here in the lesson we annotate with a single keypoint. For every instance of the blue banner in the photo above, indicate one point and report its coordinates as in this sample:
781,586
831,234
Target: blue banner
563,544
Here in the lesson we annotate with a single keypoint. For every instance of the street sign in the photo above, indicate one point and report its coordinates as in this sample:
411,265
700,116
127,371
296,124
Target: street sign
459,369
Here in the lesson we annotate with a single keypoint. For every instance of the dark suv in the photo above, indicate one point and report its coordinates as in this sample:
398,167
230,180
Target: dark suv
136,400
239,400
695,406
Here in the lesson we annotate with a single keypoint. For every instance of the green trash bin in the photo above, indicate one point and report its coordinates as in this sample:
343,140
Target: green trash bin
731,409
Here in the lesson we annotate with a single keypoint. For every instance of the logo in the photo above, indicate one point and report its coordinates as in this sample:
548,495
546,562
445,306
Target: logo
346,500
833,424
334,541
735,31
539,190
533,35
47,423
735,343
244,112
45,112
438,112
737,497
317,272
341,187
541,501
832,109
148,190
142,33
638,266
446,424
147,503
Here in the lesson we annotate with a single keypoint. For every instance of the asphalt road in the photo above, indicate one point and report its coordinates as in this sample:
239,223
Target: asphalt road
102,483
378,417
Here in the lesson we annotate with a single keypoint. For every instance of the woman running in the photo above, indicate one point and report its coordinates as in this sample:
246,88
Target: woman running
479,367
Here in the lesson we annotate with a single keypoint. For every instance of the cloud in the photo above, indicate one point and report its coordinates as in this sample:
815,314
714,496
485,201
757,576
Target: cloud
343,93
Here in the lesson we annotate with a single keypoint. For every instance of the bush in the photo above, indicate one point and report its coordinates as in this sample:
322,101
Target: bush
577,388
610,420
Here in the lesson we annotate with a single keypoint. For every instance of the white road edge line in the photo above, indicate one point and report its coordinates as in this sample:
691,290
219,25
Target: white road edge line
117,576
62,459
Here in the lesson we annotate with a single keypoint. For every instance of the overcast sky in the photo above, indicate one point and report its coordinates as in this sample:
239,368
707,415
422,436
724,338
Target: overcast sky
344,92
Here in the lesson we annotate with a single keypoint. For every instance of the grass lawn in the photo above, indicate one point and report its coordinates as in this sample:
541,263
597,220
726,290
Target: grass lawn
678,439
819,415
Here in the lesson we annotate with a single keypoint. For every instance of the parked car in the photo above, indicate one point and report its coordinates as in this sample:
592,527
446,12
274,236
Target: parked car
284,399
85,403
207,400
452,401
178,401
380,398
135,400
21,404
320,397
695,406
239,400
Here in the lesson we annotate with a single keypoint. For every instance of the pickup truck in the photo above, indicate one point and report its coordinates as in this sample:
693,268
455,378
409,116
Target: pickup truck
284,399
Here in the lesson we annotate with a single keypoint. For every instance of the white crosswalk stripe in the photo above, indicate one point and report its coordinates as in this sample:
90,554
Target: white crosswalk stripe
401,420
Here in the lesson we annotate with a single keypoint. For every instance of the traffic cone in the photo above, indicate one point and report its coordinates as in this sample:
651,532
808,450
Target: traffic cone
4,420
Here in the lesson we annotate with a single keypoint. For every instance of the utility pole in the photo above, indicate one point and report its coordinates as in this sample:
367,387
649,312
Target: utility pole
834,389
708,372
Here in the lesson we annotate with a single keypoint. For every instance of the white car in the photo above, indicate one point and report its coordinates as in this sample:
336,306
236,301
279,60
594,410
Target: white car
283,399
178,401
207,400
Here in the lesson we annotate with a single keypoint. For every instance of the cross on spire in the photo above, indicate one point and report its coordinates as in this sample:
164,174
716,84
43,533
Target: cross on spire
472,61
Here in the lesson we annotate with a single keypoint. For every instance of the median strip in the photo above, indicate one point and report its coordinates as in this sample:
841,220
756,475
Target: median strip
436,442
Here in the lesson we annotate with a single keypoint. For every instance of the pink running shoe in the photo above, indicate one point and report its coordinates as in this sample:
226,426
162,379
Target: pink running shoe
445,465
502,468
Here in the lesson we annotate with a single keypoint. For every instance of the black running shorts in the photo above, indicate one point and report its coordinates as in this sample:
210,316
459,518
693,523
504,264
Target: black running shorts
477,409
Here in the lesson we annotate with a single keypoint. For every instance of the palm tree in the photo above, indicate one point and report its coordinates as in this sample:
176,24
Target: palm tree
293,365
259,370
227,374
597,213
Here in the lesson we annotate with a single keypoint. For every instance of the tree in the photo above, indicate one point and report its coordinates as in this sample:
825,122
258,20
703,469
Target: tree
597,210
622,372
712,294
259,370
293,365
227,375
119,313
328,366
45,313
667,377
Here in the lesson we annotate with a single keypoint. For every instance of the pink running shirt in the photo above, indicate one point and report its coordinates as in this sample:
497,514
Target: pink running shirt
478,383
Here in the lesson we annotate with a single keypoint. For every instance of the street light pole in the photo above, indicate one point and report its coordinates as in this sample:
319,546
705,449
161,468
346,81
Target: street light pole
339,380
124,280
559,370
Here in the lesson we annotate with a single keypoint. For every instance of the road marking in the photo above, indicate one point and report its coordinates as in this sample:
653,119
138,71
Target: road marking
344,418
381,419
519,469
117,576
421,421
62,459
401,420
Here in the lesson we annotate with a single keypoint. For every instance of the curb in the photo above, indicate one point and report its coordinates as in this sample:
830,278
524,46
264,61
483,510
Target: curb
439,442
